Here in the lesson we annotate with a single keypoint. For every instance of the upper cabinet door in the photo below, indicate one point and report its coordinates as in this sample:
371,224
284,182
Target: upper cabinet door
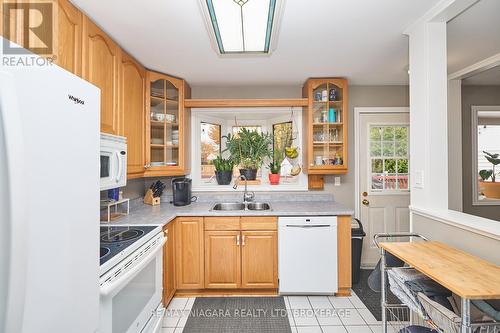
69,51
326,126
167,126
133,95
101,61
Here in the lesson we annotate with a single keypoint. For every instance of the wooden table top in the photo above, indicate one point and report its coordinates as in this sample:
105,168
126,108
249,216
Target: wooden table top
464,274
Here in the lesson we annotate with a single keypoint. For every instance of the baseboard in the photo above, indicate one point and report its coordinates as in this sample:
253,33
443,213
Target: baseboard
225,292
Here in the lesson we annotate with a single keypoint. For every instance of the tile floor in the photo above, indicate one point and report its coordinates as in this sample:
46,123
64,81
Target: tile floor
307,314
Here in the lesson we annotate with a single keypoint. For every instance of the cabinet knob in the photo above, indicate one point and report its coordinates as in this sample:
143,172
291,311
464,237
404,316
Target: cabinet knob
147,166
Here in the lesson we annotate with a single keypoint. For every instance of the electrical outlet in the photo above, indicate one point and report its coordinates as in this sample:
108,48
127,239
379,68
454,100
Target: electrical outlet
418,179
336,181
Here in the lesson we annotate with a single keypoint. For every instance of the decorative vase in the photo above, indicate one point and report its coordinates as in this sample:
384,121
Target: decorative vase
250,174
490,190
224,177
274,179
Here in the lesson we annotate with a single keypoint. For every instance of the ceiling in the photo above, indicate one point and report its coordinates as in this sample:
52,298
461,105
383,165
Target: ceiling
474,35
359,39
491,77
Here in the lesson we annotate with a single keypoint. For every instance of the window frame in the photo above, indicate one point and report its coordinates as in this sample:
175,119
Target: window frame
199,115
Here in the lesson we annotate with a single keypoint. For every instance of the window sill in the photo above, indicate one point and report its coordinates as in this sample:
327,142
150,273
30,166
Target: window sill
476,224
255,188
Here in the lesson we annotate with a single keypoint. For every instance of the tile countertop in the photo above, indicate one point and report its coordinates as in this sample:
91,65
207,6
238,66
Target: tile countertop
166,212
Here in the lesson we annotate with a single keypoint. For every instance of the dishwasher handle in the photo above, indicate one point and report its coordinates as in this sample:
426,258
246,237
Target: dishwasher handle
308,226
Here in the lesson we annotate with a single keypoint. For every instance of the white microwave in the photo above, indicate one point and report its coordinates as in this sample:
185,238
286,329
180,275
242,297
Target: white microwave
113,161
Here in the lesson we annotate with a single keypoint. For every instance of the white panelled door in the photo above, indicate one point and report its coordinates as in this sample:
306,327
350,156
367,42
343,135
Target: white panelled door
383,177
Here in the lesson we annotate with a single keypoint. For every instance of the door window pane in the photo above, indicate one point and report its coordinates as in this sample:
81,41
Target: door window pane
389,154
210,148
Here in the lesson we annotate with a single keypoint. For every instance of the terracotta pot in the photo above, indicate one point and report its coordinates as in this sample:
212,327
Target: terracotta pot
490,190
274,179
250,174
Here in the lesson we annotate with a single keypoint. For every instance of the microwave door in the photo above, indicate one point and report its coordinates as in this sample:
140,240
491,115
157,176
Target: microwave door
107,166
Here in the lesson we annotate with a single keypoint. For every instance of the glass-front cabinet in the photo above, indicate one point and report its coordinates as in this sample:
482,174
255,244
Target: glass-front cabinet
167,121
326,126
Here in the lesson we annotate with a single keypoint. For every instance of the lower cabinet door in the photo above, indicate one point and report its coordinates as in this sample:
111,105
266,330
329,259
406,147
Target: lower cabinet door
189,252
222,259
259,259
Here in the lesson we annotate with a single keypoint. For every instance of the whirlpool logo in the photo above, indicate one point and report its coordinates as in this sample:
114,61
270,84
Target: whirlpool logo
76,100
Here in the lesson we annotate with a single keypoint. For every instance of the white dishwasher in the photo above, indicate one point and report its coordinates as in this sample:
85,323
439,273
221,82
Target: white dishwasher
307,255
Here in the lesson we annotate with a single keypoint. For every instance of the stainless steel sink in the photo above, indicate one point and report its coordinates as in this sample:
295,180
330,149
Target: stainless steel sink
258,206
233,206
229,206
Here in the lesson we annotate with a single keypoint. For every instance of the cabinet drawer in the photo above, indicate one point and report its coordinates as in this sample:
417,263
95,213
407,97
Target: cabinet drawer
259,223
217,223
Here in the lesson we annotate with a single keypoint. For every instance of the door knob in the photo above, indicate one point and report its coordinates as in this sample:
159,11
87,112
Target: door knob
365,202
365,194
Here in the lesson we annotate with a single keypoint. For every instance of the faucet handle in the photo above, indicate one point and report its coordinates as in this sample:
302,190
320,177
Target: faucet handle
249,196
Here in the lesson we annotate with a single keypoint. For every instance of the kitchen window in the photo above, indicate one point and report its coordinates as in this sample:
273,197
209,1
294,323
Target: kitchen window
389,158
209,126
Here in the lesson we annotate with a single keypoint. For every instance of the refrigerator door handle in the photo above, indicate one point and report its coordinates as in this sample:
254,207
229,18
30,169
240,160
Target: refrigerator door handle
14,219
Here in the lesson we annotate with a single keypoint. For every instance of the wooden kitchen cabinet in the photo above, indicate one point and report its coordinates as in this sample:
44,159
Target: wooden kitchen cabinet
133,102
69,41
169,264
325,123
168,125
259,259
222,259
241,252
189,253
101,67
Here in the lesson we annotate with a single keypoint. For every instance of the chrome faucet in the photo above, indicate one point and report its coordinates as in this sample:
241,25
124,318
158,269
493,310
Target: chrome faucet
247,196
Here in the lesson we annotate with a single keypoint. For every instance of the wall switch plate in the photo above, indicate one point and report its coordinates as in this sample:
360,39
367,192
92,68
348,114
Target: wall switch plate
336,181
418,179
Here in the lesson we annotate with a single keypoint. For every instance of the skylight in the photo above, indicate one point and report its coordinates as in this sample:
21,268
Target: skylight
242,26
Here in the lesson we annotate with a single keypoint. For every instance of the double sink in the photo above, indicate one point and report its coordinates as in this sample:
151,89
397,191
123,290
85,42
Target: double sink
235,206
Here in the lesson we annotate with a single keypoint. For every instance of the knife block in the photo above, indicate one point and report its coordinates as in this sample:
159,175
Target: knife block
150,200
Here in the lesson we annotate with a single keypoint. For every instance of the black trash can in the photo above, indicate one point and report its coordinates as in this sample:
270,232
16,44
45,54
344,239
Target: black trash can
357,235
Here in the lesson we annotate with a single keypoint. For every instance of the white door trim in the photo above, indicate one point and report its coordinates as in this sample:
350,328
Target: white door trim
357,115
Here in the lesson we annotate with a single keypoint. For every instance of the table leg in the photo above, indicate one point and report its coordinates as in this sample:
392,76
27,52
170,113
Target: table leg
383,295
466,322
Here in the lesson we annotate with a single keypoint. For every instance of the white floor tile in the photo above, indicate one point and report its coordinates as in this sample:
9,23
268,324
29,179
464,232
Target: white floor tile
352,318
299,302
290,317
368,317
179,330
183,319
294,329
287,302
333,329
167,330
178,303
356,301
304,319
170,320
309,329
320,302
190,303
357,329
340,302
329,320
376,329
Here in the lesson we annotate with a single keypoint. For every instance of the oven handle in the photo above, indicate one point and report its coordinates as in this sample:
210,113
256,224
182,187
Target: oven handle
119,174
107,289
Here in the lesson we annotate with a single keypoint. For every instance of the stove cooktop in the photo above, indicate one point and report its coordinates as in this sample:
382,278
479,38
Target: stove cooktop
115,239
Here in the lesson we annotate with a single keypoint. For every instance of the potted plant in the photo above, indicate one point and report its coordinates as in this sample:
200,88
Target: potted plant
248,150
274,176
223,170
490,189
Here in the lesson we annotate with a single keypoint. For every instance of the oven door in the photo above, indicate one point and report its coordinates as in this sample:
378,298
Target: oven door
131,294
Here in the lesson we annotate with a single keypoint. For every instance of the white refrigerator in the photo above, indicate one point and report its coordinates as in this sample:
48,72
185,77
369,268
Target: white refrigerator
49,201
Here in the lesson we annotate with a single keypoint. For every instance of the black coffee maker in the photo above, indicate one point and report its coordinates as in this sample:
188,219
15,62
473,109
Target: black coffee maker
181,188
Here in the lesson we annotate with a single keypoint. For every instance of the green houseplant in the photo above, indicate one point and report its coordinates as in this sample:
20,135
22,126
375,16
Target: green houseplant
248,150
490,189
223,170
274,176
